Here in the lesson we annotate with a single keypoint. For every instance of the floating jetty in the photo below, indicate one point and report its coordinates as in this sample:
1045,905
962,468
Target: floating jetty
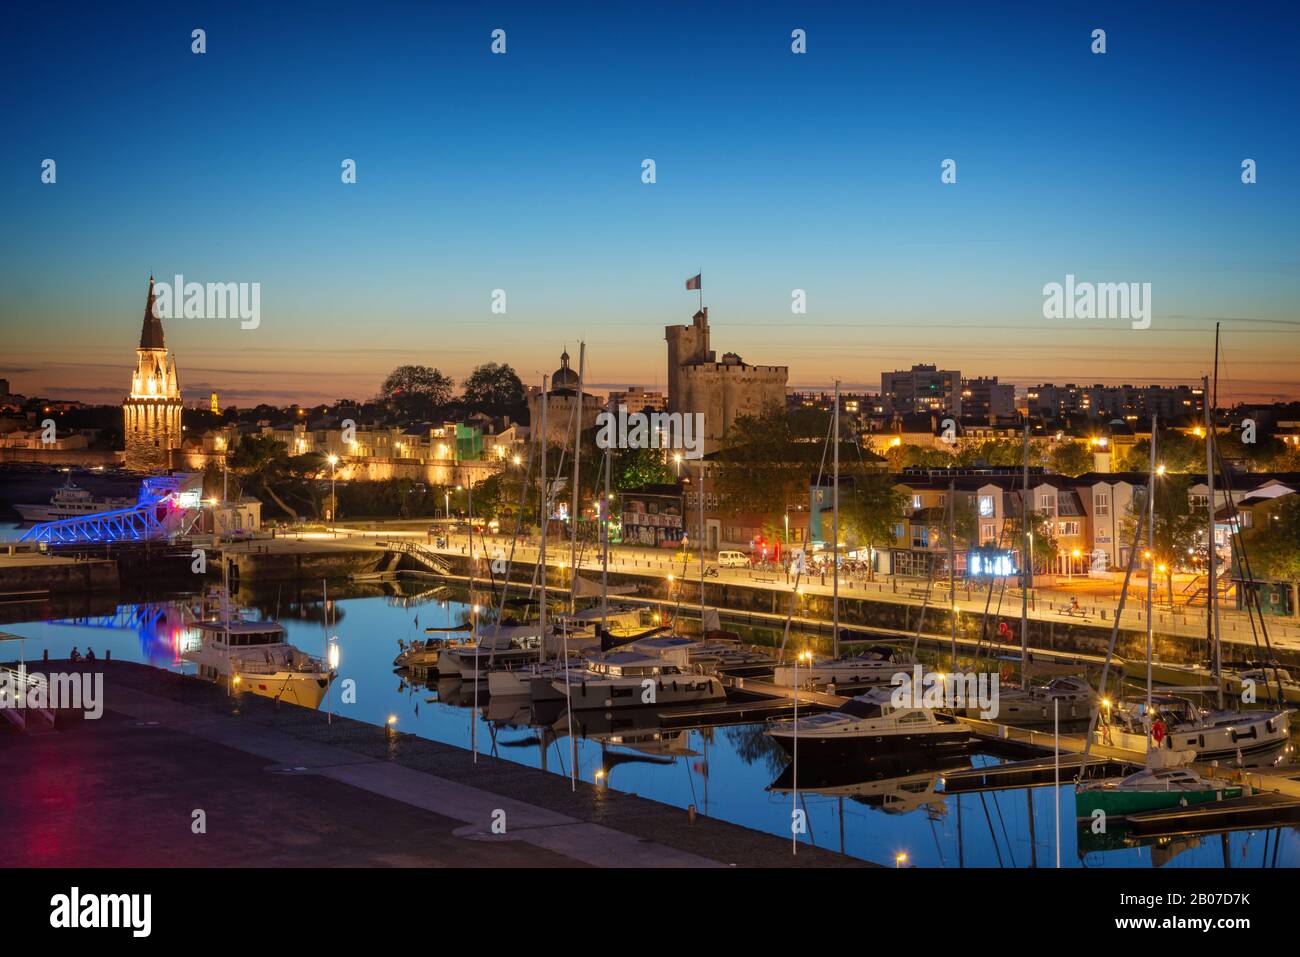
1257,810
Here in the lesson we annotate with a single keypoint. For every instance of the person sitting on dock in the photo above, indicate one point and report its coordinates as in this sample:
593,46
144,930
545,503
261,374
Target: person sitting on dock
90,653
1074,606
74,655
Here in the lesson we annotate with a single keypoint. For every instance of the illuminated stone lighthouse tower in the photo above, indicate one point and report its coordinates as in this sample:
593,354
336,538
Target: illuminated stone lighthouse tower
152,411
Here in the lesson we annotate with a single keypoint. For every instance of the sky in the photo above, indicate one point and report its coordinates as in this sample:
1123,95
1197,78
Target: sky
774,171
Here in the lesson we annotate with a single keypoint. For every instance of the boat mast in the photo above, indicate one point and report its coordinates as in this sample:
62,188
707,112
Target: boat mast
701,545
1212,576
1026,549
835,531
1151,565
541,558
573,514
1211,438
602,512
952,568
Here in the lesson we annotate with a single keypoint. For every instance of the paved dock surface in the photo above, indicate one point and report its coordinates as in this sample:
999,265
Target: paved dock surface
281,787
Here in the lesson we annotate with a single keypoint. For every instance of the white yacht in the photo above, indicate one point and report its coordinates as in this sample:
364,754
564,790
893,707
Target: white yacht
497,647
531,679
70,501
1211,734
700,654
868,726
1039,704
628,679
259,660
873,667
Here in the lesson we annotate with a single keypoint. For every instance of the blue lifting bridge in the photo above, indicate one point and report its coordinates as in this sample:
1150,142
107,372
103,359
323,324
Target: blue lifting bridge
167,507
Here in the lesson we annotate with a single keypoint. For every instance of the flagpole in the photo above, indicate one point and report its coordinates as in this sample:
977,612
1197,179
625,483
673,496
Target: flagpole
701,288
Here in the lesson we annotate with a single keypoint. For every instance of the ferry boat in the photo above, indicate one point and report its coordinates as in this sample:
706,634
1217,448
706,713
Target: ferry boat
70,501
255,656
868,726
624,679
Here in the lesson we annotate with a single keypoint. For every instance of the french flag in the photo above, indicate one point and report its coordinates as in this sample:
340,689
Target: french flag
694,282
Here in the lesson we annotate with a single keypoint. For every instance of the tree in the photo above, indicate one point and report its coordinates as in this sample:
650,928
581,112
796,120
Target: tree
991,451
762,464
1175,451
871,509
1274,548
1043,531
265,466
632,468
495,390
902,457
417,391
1069,458
1178,524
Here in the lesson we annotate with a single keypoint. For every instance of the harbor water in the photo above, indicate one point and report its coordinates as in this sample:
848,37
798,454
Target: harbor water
893,815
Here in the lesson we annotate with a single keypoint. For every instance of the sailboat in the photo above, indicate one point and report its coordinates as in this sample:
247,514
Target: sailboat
1154,788
1219,733
877,665
1171,729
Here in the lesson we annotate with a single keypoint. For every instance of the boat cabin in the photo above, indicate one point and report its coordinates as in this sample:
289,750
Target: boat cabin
242,633
628,664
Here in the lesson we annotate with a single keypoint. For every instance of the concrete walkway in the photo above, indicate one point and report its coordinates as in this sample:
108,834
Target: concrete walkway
281,786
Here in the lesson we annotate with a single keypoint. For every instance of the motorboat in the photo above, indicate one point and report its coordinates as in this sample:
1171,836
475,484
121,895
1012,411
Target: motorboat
627,679
254,656
876,666
423,655
867,726
1069,697
700,654
496,646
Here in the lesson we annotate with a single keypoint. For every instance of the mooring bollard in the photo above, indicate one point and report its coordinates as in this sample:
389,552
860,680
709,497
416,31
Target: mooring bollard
690,814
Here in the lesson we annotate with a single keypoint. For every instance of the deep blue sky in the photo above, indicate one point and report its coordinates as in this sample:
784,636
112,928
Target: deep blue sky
775,172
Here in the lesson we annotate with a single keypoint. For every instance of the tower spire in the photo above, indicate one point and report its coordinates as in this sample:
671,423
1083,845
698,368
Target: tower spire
151,333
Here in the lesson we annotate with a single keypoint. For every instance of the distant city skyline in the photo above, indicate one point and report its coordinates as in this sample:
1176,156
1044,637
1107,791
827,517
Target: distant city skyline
775,172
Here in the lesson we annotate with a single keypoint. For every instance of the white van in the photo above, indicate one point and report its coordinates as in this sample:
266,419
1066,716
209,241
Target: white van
732,560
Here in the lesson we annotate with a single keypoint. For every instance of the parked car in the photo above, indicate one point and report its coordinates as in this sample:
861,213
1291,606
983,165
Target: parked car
732,560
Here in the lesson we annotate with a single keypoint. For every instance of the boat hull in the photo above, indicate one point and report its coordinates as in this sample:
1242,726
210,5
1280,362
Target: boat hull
588,694
840,748
1117,803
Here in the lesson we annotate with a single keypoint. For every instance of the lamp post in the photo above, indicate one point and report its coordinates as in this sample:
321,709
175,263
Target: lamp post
478,656
334,504
332,660
794,773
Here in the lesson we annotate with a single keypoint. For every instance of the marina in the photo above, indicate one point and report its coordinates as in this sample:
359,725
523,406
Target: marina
715,758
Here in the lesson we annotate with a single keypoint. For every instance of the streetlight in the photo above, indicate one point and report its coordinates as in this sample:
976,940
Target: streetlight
334,503
332,659
478,657
794,772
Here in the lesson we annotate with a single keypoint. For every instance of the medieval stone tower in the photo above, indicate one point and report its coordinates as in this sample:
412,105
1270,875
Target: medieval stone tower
720,389
152,411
